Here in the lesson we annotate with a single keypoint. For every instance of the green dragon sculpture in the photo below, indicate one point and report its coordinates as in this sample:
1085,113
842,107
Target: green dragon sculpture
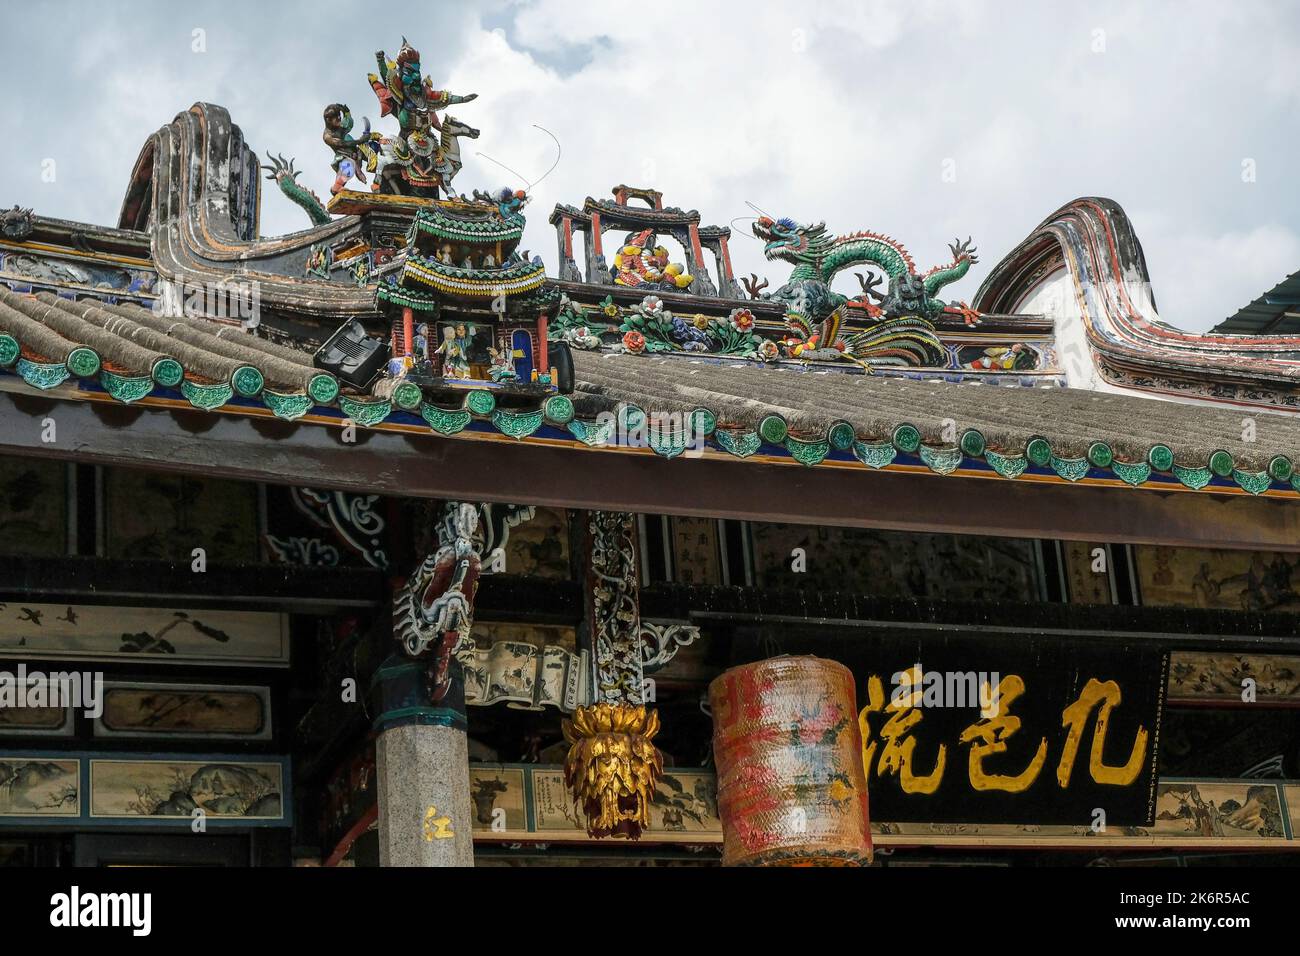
286,177
904,332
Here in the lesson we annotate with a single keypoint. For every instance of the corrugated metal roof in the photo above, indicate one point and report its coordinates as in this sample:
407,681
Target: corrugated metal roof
1276,312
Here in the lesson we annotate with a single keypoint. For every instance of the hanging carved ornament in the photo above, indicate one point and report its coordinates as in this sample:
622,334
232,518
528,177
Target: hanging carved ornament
302,550
661,641
351,517
434,611
494,526
615,614
613,767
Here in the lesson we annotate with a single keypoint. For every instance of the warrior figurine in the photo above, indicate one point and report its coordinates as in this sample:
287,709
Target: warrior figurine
425,155
404,93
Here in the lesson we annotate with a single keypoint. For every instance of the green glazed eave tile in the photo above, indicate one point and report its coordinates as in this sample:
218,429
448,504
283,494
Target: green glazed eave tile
741,444
206,397
42,374
1194,478
365,413
1008,466
1131,472
445,421
670,444
9,350
1071,469
704,421
591,433
808,452
942,461
126,388
1256,482
558,409
875,454
288,406
517,424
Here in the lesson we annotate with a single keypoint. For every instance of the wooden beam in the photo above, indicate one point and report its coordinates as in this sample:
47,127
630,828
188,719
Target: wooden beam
490,467
278,587
1245,632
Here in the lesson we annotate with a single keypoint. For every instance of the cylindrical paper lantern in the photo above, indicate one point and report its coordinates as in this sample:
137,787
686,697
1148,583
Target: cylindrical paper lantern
791,790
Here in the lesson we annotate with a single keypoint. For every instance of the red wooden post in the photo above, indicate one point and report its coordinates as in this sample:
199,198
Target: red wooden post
543,362
408,329
695,246
726,257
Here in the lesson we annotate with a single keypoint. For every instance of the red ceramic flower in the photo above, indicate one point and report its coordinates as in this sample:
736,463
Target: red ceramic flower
634,342
742,320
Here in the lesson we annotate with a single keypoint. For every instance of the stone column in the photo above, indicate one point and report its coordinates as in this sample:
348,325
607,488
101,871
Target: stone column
422,771
422,753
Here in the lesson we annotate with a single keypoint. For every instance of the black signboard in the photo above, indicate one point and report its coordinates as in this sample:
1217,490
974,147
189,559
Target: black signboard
995,727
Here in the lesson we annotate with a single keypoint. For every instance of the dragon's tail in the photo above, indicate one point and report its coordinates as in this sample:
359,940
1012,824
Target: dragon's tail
909,340
286,177
963,257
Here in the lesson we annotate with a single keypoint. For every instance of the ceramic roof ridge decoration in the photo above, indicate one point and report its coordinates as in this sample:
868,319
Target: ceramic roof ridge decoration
653,319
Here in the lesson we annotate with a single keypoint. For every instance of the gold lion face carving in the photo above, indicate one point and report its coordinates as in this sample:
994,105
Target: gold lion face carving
613,767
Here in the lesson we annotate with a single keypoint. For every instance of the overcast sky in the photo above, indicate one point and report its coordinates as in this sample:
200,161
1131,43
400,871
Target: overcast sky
847,112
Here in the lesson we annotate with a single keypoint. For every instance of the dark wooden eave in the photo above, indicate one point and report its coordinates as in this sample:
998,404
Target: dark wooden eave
481,467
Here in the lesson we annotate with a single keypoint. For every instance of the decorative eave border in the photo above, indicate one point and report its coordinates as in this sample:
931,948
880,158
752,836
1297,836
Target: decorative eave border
444,226
694,434
447,279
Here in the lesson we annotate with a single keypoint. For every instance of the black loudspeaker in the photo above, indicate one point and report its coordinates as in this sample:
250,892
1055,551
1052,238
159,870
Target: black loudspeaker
562,361
352,355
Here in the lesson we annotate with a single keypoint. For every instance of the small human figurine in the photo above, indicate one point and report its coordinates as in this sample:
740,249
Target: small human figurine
352,157
502,369
454,352
1004,358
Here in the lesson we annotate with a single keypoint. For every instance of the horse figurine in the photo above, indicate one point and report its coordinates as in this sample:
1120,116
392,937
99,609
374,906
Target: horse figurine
417,165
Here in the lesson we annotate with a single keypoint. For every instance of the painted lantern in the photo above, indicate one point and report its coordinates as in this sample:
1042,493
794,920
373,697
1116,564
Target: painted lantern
791,790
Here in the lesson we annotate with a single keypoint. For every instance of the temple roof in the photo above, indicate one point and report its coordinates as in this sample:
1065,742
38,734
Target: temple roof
90,349
1005,426
190,221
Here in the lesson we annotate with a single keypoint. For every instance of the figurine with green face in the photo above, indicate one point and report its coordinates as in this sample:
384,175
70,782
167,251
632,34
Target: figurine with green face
405,93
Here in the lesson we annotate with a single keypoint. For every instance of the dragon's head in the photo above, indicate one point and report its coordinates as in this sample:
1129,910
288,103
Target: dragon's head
789,241
16,223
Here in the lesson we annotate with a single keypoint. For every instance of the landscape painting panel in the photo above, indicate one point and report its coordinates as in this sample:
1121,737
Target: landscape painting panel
98,632
166,788
39,786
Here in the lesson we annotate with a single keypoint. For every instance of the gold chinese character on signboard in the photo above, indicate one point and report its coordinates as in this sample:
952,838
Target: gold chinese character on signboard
988,736
896,754
1075,717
